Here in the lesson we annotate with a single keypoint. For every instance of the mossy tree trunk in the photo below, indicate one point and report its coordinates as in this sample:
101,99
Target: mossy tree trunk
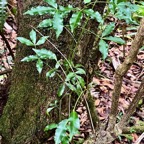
24,117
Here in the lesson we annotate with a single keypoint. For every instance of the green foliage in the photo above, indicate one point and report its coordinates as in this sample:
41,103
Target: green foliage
58,13
3,13
66,129
124,10
103,46
72,78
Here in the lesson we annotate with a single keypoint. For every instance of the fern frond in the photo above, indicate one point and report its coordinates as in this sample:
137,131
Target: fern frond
3,13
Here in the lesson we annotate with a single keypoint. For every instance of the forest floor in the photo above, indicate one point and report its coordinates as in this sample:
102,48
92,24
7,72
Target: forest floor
103,81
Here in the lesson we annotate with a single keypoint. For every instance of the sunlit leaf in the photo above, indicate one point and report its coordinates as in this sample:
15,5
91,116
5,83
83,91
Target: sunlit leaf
115,39
71,87
87,1
103,48
50,73
40,10
52,3
80,71
108,29
45,54
42,40
60,131
39,65
74,124
58,23
45,23
50,127
33,36
29,58
25,41
61,89
75,20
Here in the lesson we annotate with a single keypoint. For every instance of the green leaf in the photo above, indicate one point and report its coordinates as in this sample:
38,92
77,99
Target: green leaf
29,58
25,41
108,29
75,20
80,71
40,10
125,11
115,39
69,76
58,23
45,54
71,87
50,73
45,23
39,65
103,48
74,124
49,109
57,64
60,131
94,15
50,127
42,40
65,10
52,3
87,1
80,80
33,36
61,89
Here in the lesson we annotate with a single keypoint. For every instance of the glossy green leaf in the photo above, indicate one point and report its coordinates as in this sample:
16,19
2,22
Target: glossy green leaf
115,39
52,3
42,40
41,10
80,71
80,80
50,73
87,1
57,64
25,41
60,131
33,36
103,48
29,58
45,23
94,15
69,76
45,54
71,87
50,127
65,10
75,20
108,29
58,24
61,89
49,109
39,65
74,124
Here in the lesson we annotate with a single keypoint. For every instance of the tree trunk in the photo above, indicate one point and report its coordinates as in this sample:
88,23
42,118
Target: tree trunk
24,117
